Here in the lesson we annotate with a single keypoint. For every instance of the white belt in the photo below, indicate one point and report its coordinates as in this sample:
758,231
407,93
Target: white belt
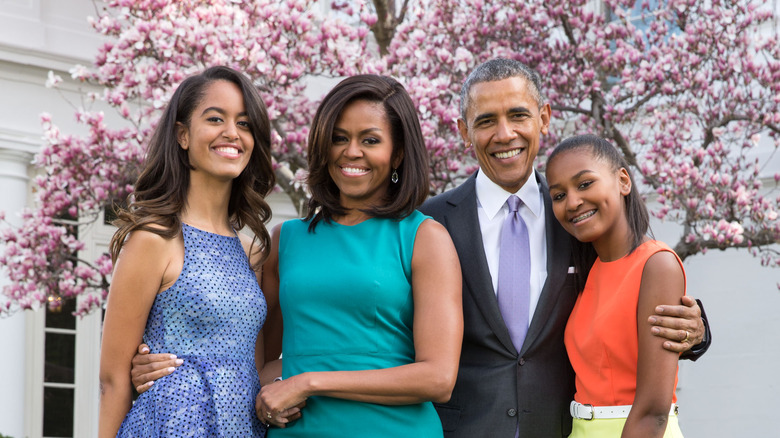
589,412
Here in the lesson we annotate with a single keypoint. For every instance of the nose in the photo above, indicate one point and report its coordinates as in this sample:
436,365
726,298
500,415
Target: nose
573,201
230,132
504,131
353,149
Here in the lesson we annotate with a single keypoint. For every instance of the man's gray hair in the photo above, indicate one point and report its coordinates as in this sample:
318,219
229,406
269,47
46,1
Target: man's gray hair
496,70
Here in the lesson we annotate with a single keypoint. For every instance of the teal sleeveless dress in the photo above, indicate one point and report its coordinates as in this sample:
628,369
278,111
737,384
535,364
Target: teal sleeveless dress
346,299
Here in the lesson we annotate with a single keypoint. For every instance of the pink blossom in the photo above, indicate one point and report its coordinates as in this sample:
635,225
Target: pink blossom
661,90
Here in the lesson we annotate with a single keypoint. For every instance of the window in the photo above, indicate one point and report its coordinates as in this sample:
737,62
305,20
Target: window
58,370
64,353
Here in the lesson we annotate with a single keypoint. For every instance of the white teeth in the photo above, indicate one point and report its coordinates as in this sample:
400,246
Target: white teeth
507,154
227,150
583,216
354,170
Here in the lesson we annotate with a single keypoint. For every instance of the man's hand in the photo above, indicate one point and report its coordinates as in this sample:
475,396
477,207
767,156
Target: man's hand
149,367
681,325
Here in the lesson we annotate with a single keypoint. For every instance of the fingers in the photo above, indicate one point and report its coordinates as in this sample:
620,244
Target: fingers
676,340
679,311
689,301
158,362
670,327
283,418
149,367
676,347
293,414
143,349
280,419
154,361
681,325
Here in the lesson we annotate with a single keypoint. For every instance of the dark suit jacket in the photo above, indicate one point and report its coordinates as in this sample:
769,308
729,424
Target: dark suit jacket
498,387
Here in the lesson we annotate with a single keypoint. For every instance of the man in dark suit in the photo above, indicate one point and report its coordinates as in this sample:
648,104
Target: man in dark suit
502,392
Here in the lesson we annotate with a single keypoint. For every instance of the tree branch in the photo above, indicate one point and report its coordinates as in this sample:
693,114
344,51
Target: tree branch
384,28
571,109
709,137
762,238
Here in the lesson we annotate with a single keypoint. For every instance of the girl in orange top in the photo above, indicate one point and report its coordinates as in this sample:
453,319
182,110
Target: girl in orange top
625,379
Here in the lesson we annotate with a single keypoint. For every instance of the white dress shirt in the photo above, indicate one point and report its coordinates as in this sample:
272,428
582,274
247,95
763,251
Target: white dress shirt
492,210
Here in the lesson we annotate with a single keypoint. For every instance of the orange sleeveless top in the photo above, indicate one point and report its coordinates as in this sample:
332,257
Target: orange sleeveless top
601,334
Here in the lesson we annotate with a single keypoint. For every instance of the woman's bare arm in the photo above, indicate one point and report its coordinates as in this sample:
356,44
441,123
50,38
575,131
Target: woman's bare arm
438,335
139,274
663,281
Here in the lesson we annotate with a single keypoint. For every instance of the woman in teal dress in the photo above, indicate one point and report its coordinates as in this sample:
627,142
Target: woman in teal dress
368,288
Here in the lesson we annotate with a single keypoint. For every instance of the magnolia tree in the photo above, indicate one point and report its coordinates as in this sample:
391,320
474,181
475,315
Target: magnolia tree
685,90
153,45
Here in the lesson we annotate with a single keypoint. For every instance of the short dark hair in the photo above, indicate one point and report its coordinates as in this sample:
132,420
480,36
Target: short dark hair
412,187
161,189
636,210
495,70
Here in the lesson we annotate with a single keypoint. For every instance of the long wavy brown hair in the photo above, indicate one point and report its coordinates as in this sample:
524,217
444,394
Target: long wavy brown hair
161,190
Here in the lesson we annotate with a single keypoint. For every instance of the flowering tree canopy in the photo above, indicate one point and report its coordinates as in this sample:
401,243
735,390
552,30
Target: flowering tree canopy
152,46
686,89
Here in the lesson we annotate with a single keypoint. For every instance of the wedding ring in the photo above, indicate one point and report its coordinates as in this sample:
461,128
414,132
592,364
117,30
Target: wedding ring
687,336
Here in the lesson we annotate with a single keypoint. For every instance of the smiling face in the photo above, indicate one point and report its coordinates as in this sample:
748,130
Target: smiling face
218,139
504,123
361,155
588,200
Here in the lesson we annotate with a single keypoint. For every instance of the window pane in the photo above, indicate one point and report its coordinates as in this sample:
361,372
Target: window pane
60,358
63,316
57,412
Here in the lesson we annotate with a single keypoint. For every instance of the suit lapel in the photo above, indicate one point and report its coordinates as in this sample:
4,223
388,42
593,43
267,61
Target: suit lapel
463,223
558,261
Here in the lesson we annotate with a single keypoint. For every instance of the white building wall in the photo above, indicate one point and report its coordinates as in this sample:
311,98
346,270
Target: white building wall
13,183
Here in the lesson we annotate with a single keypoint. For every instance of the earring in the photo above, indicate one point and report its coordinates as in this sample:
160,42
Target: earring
394,176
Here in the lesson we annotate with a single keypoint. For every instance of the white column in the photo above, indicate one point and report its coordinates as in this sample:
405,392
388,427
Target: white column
13,197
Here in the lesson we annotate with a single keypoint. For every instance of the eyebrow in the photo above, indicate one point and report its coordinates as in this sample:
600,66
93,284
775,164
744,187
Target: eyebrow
577,175
363,132
221,111
513,110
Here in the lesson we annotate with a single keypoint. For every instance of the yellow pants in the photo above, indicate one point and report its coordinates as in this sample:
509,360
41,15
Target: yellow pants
613,427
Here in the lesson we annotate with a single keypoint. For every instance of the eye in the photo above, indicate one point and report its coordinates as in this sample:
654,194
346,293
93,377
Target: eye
558,196
584,185
337,139
483,123
519,116
214,119
371,140
244,124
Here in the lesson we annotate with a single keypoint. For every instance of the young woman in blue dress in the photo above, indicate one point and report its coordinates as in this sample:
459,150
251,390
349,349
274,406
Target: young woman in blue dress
368,289
183,278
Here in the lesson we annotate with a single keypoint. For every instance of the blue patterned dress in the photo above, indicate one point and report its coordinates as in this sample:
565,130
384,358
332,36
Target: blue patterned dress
210,317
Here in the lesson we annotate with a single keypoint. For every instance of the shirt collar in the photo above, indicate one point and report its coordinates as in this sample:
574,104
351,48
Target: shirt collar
492,197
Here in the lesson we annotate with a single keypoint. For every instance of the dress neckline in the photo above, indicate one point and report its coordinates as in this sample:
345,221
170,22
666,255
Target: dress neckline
234,236
370,219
